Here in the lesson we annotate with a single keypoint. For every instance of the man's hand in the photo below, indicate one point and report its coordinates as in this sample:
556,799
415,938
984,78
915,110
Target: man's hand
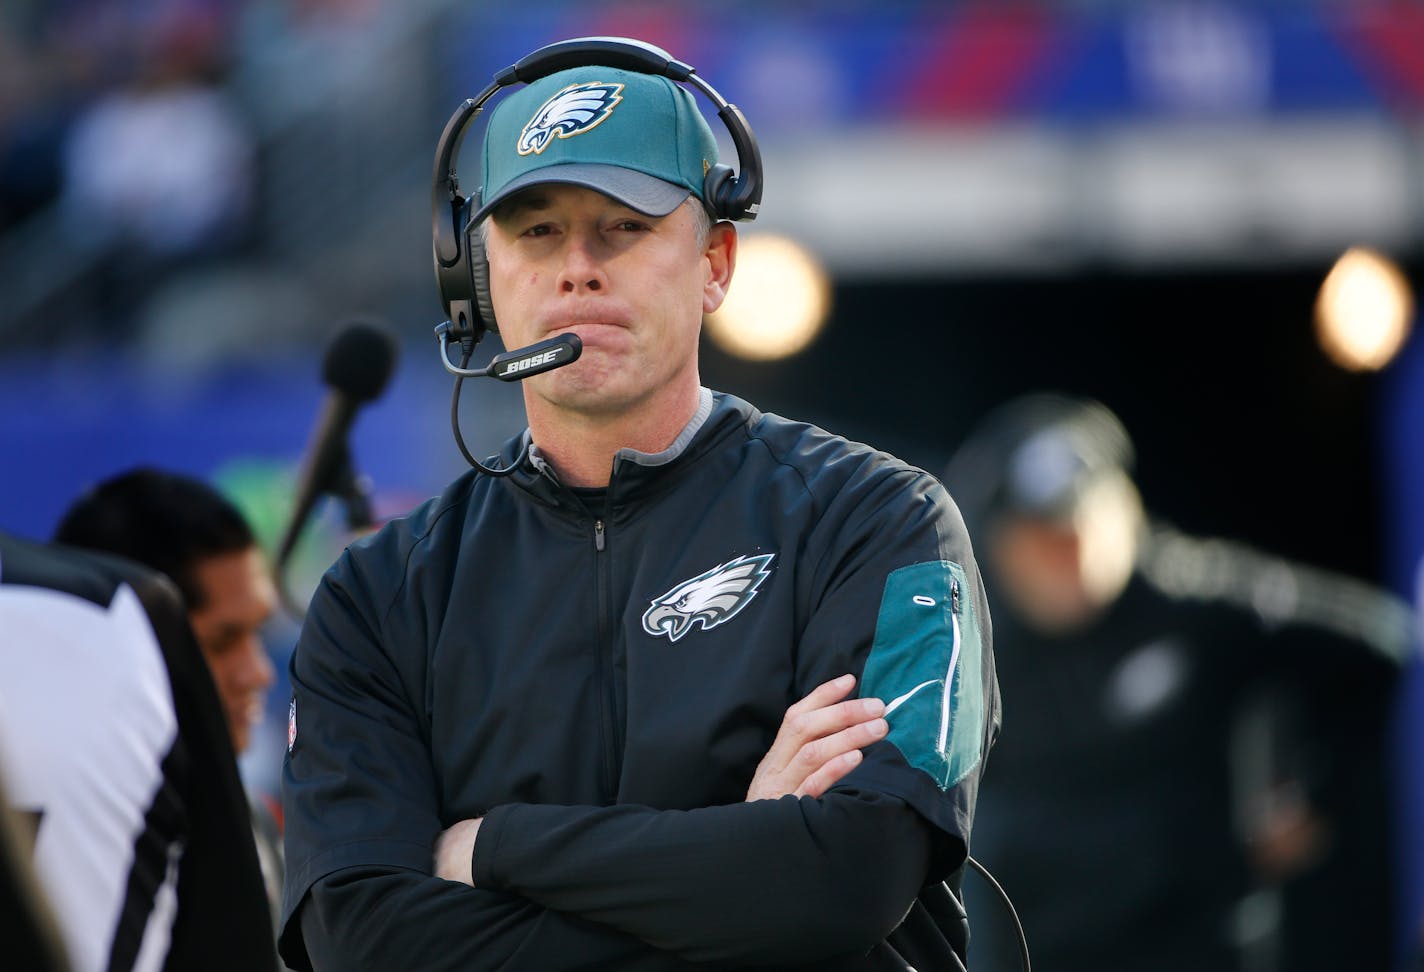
455,852
819,742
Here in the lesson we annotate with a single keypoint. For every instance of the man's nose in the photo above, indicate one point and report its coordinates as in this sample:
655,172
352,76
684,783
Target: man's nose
257,669
582,270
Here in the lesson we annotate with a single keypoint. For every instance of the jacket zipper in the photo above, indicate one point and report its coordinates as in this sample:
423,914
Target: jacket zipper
605,663
947,702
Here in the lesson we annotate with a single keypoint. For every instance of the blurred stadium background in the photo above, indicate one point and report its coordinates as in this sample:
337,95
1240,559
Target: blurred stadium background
1137,201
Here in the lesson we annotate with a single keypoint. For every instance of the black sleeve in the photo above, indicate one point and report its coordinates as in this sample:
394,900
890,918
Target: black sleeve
896,599
389,918
768,882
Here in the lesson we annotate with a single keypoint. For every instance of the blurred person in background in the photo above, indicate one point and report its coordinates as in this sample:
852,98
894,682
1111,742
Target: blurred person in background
1191,770
33,116
116,762
158,172
54,59
189,531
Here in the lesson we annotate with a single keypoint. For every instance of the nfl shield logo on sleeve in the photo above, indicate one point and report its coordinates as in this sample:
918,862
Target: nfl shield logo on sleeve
292,724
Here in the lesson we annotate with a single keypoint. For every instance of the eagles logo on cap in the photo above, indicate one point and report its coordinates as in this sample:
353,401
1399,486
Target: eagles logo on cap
573,111
649,159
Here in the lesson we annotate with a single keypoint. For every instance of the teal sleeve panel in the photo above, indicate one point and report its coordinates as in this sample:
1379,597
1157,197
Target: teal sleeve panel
925,664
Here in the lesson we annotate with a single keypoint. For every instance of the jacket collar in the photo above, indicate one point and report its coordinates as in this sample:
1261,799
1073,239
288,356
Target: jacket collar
705,401
635,472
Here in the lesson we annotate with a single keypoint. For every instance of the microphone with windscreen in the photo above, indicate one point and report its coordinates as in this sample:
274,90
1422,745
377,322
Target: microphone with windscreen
355,369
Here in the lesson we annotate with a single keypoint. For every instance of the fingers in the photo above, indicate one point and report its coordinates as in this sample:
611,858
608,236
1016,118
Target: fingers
826,761
793,730
455,851
819,742
824,694
812,732
829,775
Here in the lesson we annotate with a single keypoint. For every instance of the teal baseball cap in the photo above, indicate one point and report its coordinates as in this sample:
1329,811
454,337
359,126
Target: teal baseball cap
637,138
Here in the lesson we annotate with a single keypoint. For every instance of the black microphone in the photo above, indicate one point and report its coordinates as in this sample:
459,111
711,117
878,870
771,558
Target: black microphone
357,365
516,365
536,359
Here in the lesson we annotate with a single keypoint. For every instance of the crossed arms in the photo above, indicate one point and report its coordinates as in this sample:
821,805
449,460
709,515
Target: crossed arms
819,742
553,887
835,839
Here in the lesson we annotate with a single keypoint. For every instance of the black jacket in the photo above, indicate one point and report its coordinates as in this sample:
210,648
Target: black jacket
1114,812
600,684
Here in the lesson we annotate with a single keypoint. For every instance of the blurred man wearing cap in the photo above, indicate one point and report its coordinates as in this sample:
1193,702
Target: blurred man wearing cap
1135,802
551,721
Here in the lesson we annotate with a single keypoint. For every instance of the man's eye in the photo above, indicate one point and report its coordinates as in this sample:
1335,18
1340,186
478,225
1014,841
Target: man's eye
542,229
220,644
631,226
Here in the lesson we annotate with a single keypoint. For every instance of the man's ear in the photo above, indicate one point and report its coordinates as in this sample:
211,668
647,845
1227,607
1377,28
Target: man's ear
721,254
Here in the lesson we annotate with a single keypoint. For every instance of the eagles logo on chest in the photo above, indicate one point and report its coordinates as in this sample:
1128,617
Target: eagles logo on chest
709,599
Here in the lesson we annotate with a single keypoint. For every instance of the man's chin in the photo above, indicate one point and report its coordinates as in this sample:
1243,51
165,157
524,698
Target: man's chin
589,391
240,729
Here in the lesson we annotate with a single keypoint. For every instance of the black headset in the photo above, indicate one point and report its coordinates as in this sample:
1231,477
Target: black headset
461,269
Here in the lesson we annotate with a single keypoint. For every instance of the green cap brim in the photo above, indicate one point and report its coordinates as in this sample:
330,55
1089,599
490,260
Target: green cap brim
638,191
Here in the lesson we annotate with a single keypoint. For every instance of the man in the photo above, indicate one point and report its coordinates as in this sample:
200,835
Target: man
116,760
189,531
184,528
1200,738
542,722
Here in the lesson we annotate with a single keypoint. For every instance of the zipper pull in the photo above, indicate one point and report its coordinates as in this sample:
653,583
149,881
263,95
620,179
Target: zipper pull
598,535
954,596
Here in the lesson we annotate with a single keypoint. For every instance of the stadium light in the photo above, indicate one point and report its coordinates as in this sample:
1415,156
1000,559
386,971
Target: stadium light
1364,310
778,302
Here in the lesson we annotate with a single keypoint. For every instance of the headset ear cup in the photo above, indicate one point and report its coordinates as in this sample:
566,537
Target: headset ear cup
479,277
717,186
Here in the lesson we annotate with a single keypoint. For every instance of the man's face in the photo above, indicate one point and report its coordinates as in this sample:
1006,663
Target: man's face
1038,565
633,287
238,598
